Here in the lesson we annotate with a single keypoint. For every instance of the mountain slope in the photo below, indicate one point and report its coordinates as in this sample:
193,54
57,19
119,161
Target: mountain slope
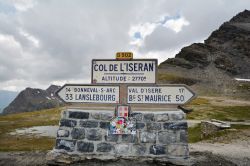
34,99
212,66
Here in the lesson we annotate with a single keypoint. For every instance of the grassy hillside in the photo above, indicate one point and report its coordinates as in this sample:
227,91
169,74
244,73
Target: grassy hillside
204,108
220,109
9,123
174,79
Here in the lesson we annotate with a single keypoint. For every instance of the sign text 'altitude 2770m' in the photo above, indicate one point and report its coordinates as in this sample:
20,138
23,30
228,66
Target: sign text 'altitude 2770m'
124,71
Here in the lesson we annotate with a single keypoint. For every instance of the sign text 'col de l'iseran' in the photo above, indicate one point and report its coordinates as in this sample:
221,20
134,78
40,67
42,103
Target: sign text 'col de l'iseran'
124,71
139,75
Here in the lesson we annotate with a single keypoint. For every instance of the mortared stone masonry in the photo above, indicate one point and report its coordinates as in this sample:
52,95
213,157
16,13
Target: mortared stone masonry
84,134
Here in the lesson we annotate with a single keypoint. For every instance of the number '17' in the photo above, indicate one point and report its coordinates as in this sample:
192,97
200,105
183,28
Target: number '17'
181,90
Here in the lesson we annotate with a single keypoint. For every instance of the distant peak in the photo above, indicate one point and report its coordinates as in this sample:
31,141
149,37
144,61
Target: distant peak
52,88
242,17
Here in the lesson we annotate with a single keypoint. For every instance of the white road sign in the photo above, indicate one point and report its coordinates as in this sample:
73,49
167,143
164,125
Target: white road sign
159,94
74,93
124,71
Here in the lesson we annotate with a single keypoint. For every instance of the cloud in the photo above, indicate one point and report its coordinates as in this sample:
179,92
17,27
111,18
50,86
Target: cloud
9,51
138,33
29,37
23,5
44,42
176,24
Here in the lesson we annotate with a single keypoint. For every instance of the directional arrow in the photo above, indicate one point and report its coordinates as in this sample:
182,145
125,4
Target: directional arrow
75,93
159,94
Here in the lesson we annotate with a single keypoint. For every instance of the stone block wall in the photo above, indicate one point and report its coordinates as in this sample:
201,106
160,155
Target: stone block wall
158,135
210,127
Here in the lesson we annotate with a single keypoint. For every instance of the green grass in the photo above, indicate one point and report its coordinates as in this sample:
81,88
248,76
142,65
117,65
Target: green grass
10,123
194,133
240,126
203,109
174,79
199,101
26,143
225,113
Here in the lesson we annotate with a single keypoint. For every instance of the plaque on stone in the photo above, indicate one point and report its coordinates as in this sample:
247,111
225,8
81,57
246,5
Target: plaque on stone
122,123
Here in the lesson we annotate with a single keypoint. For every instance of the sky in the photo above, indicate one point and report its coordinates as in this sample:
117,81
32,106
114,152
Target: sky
44,42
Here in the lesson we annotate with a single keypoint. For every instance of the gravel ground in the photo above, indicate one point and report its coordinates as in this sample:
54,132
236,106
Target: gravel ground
234,147
237,154
22,158
229,150
204,158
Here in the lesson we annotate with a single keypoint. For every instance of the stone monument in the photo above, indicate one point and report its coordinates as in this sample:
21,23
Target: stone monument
143,122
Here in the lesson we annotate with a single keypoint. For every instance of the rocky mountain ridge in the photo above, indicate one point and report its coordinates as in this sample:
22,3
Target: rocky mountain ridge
209,68
212,66
34,99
